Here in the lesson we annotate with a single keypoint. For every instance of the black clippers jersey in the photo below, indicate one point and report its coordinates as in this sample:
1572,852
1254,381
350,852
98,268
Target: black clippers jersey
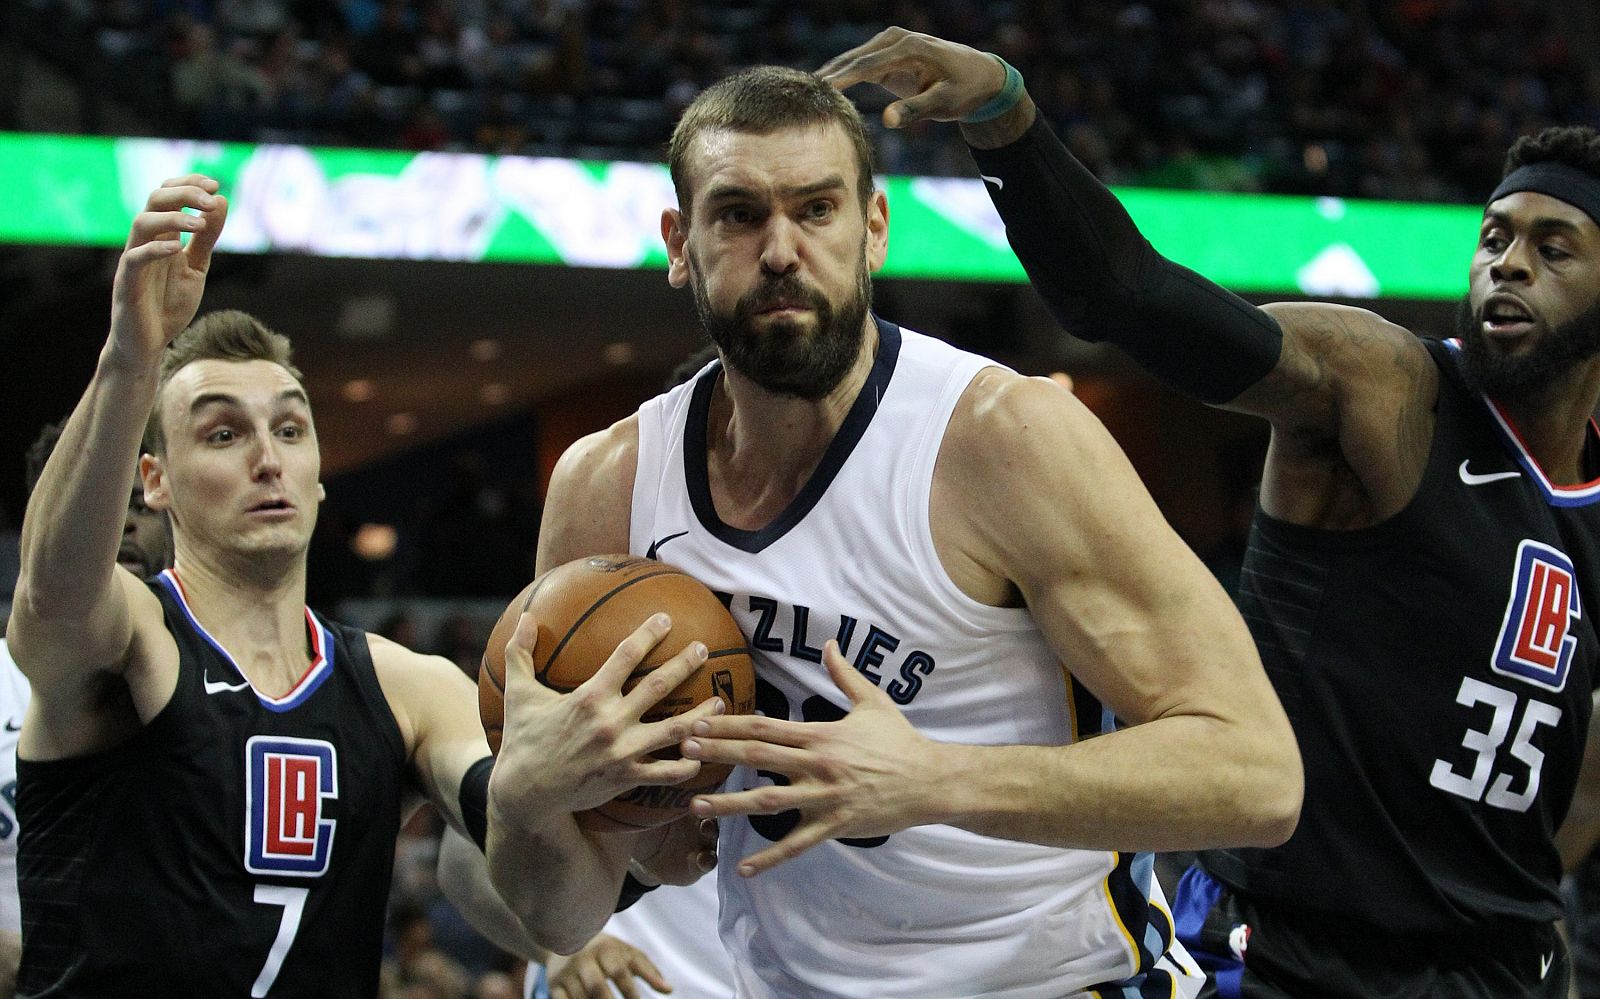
1438,670
237,846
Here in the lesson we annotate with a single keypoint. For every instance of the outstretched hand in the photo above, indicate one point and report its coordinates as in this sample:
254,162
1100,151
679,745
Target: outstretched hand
603,962
935,80
563,753
160,277
865,775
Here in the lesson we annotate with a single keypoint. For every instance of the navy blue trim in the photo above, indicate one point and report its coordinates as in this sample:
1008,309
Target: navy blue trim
844,442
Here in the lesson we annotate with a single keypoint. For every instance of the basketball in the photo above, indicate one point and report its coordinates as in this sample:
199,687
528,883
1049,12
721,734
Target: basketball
584,610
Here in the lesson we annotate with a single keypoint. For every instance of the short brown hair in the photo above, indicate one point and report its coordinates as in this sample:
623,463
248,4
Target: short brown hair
225,335
762,100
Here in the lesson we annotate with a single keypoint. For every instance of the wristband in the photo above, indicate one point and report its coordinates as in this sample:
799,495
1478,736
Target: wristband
1009,96
474,800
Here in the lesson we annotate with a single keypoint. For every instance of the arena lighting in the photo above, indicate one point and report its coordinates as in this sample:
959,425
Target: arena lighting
383,204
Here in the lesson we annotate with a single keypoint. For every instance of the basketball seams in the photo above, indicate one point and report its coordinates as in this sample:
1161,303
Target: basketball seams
601,602
483,663
606,582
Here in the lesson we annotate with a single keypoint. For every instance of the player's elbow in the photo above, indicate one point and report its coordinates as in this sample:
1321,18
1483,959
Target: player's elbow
1270,804
566,939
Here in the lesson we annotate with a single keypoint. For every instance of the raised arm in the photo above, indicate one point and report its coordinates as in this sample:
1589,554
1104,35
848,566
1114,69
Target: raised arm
1331,380
71,618
1032,499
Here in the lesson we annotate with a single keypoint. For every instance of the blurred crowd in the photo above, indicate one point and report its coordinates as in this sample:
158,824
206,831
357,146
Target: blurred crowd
1415,99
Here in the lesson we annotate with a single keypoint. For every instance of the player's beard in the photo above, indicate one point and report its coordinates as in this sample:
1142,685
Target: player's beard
1511,379
781,356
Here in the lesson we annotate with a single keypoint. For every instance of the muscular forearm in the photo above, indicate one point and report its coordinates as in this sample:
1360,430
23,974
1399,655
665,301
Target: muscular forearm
1123,791
560,885
75,516
464,880
1103,280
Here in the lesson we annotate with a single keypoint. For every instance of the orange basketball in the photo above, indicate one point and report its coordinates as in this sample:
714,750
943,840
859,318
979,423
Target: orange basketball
584,610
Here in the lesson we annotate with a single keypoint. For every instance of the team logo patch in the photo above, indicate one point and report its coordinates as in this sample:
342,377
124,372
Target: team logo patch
287,783
1536,640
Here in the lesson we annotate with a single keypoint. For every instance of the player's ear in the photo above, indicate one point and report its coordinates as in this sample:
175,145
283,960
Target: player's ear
675,233
153,474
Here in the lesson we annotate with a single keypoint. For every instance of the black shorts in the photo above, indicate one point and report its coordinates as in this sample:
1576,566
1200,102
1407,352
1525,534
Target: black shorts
1252,950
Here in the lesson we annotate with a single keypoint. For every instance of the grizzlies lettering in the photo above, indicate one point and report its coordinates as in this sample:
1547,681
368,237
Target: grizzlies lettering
793,630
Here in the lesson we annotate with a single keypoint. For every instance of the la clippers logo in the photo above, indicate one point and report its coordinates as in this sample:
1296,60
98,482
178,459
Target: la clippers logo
287,782
1536,640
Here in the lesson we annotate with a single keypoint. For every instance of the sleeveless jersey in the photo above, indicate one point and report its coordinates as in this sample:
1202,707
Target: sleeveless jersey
677,927
14,693
1438,670
934,910
238,845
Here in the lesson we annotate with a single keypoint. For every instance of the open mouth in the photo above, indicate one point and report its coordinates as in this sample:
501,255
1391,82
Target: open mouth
1506,316
272,507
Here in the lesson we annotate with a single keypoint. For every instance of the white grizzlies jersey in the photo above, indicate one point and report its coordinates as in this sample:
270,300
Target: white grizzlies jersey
677,928
14,694
933,911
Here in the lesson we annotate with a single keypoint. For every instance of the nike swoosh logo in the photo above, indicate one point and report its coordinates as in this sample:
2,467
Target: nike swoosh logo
12,725
1478,479
217,686
1544,964
998,182
655,546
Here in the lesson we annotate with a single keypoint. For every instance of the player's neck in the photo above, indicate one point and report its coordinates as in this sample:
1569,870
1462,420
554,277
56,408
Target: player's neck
1554,425
762,447
259,620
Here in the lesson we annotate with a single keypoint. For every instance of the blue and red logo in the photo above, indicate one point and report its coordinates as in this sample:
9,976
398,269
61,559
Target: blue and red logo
288,781
1536,639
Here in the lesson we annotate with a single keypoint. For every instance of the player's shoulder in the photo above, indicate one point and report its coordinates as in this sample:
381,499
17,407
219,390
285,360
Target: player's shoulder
1002,410
389,656
605,458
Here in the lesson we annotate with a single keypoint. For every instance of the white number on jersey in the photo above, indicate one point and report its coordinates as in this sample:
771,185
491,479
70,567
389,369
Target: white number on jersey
1487,746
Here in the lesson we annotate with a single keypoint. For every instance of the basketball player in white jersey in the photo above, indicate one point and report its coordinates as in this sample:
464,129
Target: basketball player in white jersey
950,577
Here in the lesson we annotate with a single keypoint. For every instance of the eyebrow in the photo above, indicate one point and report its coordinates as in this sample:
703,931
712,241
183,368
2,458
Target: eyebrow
224,399
1545,222
730,192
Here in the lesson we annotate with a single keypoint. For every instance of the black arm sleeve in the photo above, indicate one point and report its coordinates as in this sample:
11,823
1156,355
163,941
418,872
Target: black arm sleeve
1104,281
474,799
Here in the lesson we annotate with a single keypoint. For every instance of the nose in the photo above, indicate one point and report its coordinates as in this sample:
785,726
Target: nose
267,463
780,252
1511,264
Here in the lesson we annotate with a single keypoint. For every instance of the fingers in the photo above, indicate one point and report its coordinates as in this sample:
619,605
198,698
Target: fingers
200,180
666,678
519,656
628,655
193,191
847,69
641,965
806,836
933,103
141,256
755,753
848,679
777,731
153,225
205,239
